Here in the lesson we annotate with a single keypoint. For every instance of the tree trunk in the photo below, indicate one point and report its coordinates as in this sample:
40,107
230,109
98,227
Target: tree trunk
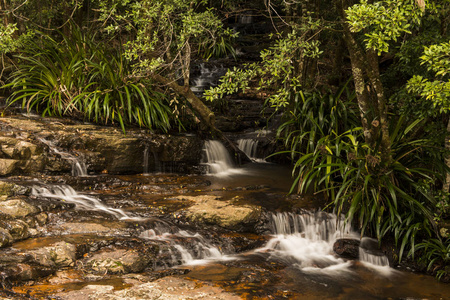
447,159
204,113
369,91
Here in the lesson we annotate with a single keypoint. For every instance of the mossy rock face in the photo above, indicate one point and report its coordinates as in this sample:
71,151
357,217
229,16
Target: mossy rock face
103,149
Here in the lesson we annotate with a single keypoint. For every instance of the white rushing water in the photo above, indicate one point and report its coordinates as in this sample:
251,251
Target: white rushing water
78,166
85,202
218,160
307,240
250,148
187,248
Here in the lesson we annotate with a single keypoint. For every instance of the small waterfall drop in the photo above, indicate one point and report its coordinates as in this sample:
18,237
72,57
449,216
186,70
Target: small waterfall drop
369,253
209,76
249,147
186,248
146,150
306,241
78,166
217,158
85,202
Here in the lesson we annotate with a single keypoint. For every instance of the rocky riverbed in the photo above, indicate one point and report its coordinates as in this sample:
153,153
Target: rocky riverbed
117,232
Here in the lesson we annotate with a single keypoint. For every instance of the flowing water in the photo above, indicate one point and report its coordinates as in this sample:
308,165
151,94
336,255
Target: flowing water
78,166
218,160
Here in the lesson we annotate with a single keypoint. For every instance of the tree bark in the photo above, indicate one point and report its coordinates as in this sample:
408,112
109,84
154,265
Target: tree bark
204,113
446,186
369,91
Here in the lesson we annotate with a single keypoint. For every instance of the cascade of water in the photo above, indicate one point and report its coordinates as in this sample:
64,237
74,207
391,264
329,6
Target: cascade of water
306,241
249,147
146,159
68,194
78,166
217,158
208,77
185,247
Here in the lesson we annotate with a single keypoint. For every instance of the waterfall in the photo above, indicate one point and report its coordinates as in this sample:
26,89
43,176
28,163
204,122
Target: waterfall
306,241
208,77
68,194
78,166
217,158
249,147
146,159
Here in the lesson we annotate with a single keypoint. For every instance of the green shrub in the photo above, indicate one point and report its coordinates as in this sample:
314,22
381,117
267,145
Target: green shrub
436,253
80,78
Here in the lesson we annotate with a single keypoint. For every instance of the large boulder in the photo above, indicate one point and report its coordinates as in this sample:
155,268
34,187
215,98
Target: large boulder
17,208
214,211
20,157
119,261
347,248
58,255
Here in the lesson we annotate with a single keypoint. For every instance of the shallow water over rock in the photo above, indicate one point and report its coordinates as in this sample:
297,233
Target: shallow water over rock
80,252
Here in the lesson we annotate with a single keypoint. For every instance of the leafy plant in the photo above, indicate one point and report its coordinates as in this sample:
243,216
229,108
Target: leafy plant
79,78
332,158
313,116
436,254
381,198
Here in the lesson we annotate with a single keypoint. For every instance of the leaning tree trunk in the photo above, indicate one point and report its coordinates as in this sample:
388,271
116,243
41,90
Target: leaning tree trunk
206,116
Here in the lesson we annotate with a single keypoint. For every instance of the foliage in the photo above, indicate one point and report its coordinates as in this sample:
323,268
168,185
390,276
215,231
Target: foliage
80,78
382,199
436,252
313,116
276,72
437,58
383,21
167,33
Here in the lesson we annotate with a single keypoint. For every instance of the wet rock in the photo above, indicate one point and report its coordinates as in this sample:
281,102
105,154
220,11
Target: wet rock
18,229
18,157
104,149
17,208
17,149
24,272
84,228
11,189
59,255
209,210
347,248
8,166
41,218
5,238
118,261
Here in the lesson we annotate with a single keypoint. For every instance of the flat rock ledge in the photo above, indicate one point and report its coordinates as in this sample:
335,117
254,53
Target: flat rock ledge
167,288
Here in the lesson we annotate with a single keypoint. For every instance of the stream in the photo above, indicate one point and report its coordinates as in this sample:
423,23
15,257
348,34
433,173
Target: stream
286,254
